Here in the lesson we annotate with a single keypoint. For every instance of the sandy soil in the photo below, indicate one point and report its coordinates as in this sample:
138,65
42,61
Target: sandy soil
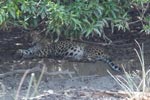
75,88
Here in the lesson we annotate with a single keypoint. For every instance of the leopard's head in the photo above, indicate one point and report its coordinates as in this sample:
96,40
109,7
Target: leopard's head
35,36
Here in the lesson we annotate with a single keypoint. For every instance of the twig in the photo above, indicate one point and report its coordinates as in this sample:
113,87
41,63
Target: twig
135,22
20,84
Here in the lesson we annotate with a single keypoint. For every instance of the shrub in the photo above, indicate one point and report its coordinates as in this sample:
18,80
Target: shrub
71,18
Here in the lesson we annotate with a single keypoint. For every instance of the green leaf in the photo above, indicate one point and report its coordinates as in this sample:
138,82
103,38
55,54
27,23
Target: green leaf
13,14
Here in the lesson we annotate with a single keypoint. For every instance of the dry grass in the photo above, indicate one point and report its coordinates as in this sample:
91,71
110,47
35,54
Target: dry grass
136,86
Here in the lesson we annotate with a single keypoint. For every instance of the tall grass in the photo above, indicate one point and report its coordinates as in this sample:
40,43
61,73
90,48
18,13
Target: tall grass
136,86
2,91
33,85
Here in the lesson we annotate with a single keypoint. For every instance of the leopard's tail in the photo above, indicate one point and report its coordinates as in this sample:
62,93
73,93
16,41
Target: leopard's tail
113,66
110,63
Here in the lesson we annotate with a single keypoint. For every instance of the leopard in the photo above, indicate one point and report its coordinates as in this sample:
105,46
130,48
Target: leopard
69,50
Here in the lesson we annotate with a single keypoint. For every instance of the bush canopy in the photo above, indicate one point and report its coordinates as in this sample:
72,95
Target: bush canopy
72,17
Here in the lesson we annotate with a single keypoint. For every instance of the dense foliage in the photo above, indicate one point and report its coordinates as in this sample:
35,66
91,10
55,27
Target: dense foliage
72,17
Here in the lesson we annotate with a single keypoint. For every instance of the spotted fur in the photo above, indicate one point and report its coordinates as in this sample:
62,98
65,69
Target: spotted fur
69,51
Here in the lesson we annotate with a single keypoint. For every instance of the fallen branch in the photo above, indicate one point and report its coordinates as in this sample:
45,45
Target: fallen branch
59,72
20,71
36,69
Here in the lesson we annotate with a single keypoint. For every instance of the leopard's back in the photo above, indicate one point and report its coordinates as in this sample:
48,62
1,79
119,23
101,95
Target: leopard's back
69,50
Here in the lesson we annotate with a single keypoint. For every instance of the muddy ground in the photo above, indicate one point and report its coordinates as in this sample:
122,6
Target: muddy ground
64,80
